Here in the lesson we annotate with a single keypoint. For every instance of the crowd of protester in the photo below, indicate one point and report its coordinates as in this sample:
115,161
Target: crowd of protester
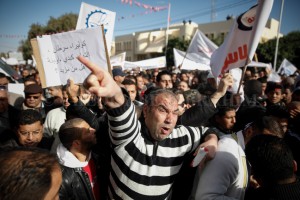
134,136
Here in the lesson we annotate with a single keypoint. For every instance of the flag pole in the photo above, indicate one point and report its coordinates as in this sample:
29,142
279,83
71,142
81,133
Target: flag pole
243,75
277,39
106,51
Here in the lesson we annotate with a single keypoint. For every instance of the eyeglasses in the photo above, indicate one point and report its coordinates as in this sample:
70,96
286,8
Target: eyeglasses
30,97
27,133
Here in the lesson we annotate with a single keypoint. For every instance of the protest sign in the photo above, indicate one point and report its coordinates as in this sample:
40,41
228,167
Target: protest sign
286,68
59,54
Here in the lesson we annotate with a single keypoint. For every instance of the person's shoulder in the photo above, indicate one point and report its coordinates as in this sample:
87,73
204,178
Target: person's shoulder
227,143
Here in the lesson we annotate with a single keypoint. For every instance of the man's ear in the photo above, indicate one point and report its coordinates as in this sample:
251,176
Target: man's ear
76,144
145,110
295,166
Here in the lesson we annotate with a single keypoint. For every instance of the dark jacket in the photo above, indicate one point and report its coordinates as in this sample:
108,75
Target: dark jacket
198,114
76,184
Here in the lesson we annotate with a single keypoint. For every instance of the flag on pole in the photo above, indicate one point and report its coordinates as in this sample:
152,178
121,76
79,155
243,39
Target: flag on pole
92,16
118,60
286,68
274,77
240,44
187,63
200,49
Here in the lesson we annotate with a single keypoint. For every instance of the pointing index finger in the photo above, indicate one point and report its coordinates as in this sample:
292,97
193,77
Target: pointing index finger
95,70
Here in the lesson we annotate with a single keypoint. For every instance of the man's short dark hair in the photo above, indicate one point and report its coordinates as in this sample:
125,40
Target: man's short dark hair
271,158
2,75
271,86
149,98
26,173
68,132
29,116
160,74
128,82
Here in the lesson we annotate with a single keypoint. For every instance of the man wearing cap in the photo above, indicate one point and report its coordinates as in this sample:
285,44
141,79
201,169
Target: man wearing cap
33,99
118,75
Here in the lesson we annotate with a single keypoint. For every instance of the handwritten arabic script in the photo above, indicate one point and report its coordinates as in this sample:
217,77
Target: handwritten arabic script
59,54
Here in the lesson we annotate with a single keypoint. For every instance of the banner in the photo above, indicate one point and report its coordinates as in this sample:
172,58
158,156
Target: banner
259,64
151,63
240,44
187,63
286,68
59,54
200,49
92,16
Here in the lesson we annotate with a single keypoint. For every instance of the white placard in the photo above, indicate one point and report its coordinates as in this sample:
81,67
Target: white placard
91,16
59,54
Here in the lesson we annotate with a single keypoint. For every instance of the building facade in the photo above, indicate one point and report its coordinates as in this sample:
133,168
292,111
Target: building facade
150,44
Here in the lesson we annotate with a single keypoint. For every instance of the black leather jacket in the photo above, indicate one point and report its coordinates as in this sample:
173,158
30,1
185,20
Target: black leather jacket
76,184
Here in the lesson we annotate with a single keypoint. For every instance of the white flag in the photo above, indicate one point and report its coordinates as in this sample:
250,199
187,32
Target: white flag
274,77
200,49
240,44
286,68
118,60
187,63
92,16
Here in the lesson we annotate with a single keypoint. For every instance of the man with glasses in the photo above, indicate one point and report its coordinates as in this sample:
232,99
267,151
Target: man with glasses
33,99
29,132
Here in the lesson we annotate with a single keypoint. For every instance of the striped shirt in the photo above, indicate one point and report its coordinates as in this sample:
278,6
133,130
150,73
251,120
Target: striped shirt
143,168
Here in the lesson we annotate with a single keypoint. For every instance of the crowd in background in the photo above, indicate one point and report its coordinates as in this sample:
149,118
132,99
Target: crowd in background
72,123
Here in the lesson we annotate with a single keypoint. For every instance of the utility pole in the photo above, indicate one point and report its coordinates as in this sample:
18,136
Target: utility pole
213,11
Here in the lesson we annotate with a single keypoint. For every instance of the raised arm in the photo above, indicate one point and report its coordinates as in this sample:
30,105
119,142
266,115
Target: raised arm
100,83
225,82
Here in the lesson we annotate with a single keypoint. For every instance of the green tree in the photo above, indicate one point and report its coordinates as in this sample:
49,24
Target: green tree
289,48
63,23
177,43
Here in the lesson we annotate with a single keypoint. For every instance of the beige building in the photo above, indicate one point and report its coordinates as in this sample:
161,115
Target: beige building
149,44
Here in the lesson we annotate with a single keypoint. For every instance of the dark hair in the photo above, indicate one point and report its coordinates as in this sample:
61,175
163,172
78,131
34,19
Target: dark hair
68,132
128,82
267,123
271,86
253,88
271,158
192,96
149,98
26,173
278,111
29,116
160,74
30,79
2,75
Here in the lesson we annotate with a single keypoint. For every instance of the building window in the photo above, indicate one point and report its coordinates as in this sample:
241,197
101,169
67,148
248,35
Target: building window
128,58
118,46
127,46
